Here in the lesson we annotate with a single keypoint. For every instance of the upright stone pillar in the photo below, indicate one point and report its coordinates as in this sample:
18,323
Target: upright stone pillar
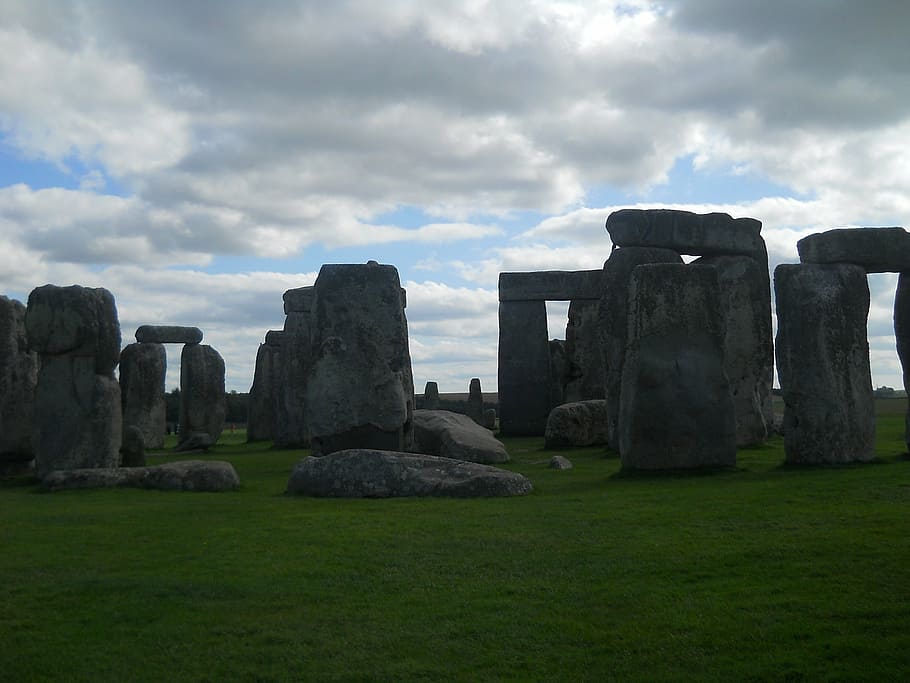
524,368
475,401
676,409
902,336
78,419
584,376
359,390
18,379
263,405
823,363
291,430
557,372
431,396
203,403
142,372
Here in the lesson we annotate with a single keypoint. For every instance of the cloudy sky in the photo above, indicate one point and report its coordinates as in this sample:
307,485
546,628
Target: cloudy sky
199,158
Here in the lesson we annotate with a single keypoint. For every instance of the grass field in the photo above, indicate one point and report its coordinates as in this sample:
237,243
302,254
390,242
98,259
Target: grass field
765,573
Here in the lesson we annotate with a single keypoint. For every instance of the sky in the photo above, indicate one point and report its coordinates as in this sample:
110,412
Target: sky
198,158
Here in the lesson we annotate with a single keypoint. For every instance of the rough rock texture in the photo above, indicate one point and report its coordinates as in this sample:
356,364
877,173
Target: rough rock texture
748,347
77,418
524,368
202,400
142,371
823,363
263,402
431,396
877,250
450,435
195,441
18,380
489,418
614,309
188,475
556,393
676,409
359,389
584,372
475,401
581,423
902,337
559,462
296,357
685,232
550,285
132,452
362,473
168,334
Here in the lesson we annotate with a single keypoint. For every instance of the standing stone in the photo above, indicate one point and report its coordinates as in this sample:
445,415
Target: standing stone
613,309
475,401
676,409
132,452
902,336
18,379
359,390
557,372
524,368
296,357
584,372
823,363
748,348
142,371
76,332
431,396
203,403
263,401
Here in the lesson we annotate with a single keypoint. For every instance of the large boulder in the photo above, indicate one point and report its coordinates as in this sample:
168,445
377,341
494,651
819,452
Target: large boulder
876,250
209,476
363,473
580,423
676,409
359,388
18,379
685,232
450,435
203,404
823,363
142,372
168,334
263,401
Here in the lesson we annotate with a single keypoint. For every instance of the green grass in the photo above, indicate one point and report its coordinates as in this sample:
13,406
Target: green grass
765,573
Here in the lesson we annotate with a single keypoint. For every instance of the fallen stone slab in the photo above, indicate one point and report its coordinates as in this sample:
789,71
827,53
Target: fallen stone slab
559,462
877,250
187,475
168,334
451,435
581,423
699,234
365,473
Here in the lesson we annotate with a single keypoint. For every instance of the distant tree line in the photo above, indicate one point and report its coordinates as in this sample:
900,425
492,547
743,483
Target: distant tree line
237,406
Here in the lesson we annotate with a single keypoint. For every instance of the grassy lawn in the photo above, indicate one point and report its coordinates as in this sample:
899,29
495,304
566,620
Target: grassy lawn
765,573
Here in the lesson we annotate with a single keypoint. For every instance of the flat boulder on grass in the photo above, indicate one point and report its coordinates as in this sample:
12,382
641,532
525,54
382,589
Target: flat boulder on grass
581,423
187,475
365,473
451,435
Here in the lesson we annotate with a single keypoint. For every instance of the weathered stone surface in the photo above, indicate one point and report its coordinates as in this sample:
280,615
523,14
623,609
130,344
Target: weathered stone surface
202,399
614,309
475,401
902,337
524,368
581,423
274,338
359,388
195,441
676,409
431,396
748,348
362,473
559,462
78,419
296,346
168,334
450,435
584,372
823,363
685,232
18,379
76,320
132,452
489,418
142,371
877,250
189,475
550,285
263,402
556,392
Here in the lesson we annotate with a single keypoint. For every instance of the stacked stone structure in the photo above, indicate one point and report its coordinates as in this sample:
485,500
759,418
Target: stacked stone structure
18,380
